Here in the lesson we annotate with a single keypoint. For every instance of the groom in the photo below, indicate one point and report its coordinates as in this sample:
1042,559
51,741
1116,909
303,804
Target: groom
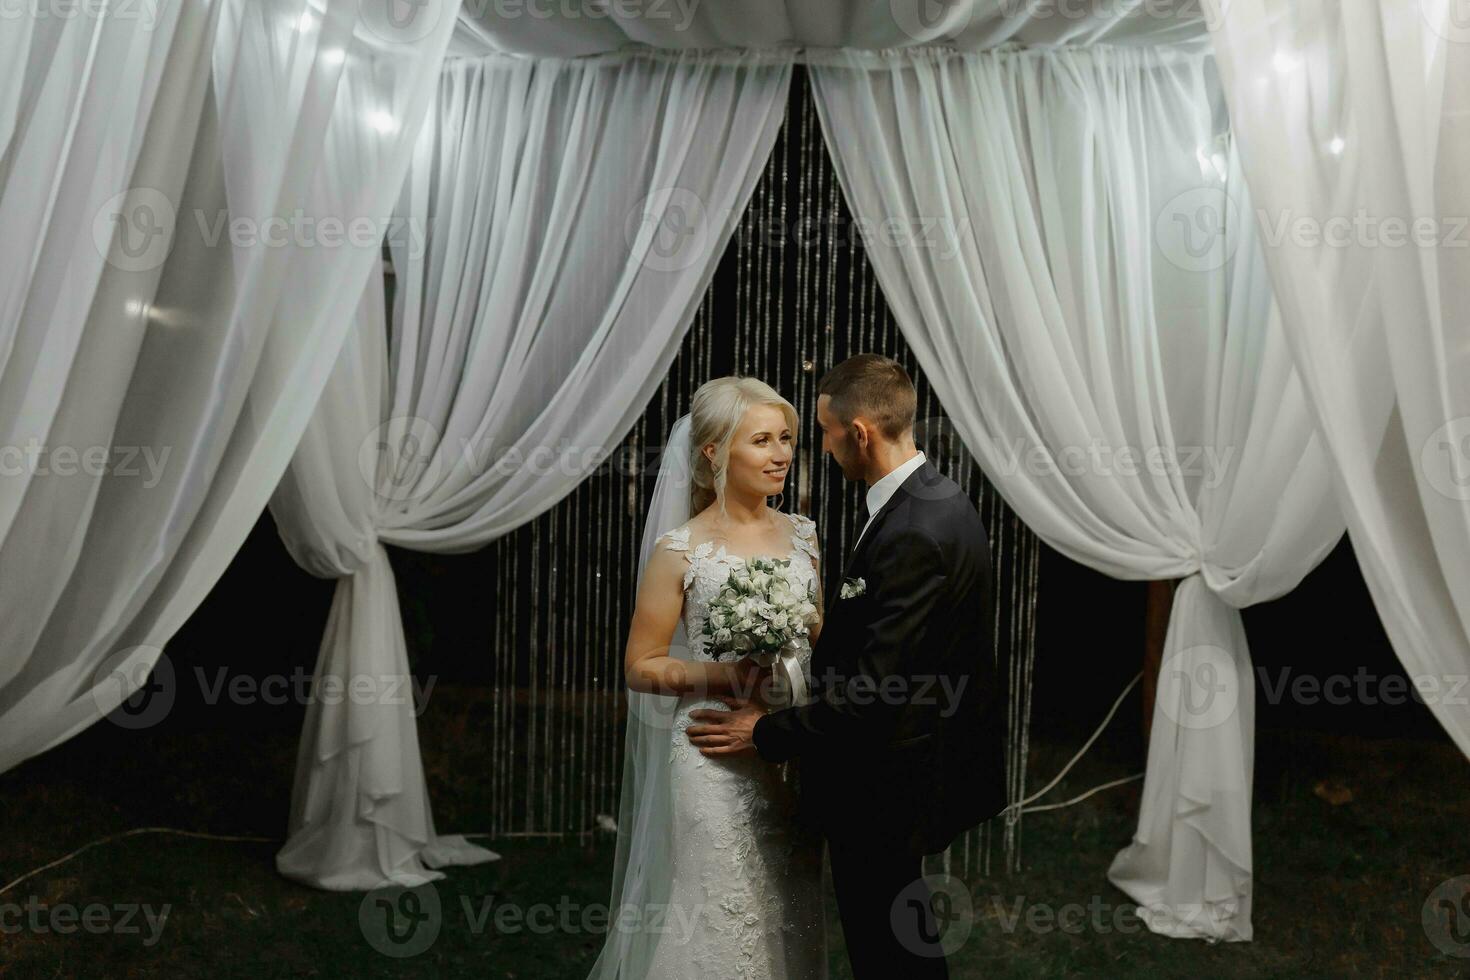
902,748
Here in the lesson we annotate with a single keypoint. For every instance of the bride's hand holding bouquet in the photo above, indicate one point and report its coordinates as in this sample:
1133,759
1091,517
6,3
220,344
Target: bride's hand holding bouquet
760,618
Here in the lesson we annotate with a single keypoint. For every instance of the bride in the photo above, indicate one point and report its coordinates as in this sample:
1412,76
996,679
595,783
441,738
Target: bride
713,876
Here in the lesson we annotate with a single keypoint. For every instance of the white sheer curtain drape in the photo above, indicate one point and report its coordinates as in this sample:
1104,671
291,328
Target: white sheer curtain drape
1354,124
1041,228
560,225
164,333
564,30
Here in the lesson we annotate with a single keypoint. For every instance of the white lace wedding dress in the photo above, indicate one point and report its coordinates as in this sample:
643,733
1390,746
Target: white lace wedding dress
746,891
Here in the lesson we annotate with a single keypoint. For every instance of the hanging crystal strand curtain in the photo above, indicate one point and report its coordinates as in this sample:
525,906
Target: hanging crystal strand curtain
793,294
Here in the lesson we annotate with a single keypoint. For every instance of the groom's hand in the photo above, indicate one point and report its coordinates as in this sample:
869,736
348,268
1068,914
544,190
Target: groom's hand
725,732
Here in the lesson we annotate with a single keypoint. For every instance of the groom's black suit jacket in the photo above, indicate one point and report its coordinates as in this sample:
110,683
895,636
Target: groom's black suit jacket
904,741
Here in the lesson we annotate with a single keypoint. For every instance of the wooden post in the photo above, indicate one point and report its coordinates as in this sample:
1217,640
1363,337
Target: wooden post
1155,629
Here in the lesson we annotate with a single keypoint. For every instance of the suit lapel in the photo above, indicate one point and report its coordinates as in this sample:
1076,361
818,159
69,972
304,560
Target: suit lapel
901,494
870,533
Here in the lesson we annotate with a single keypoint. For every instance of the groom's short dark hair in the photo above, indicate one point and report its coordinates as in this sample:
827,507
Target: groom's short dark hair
875,387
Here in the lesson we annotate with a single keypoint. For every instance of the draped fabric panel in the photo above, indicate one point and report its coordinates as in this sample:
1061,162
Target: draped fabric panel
1354,124
1123,381
539,28
166,331
559,227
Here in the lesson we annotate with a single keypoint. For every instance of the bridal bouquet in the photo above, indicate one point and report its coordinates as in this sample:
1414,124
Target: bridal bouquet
762,607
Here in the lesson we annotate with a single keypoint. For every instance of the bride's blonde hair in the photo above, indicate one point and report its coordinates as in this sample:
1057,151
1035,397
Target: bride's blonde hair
715,414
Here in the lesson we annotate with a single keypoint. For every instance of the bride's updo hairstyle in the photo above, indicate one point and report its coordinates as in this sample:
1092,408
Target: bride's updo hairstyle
718,407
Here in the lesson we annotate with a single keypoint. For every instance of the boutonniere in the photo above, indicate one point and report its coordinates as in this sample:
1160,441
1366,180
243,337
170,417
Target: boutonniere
851,588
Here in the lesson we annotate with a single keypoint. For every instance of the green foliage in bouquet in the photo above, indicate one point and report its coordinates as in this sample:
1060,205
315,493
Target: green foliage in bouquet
763,606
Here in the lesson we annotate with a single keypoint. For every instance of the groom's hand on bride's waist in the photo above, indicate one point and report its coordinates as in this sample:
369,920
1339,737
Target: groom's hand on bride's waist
725,732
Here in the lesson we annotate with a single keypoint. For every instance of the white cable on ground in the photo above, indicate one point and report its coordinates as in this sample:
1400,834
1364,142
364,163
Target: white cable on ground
1078,799
131,833
1014,808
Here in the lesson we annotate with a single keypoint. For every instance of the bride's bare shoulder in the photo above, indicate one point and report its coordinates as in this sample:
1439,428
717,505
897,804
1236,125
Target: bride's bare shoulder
803,525
804,536
675,540
668,562
702,526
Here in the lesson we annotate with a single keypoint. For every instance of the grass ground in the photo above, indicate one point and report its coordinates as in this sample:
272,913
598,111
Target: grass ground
1340,888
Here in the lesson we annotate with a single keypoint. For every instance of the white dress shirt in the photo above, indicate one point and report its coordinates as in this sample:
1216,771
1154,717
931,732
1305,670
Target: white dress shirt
880,492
